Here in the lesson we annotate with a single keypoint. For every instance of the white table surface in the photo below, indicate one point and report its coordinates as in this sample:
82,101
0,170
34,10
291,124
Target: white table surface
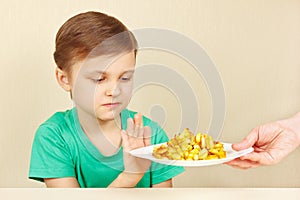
152,194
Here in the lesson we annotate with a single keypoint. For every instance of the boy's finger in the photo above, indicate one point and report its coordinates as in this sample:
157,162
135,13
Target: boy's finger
124,138
136,131
130,127
138,124
147,136
140,132
138,119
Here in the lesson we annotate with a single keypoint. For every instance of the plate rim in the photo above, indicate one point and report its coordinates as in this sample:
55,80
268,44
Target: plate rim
189,163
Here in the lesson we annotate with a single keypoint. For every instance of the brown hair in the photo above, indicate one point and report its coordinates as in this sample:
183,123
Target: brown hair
91,34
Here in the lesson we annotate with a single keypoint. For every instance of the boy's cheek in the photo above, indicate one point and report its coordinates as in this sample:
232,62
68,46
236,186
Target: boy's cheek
84,96
127,89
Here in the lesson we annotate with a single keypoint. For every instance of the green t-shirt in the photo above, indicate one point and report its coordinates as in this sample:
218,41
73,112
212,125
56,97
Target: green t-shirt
61,149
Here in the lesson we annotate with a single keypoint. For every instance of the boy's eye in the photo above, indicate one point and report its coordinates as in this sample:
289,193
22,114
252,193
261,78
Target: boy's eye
125,78
99,80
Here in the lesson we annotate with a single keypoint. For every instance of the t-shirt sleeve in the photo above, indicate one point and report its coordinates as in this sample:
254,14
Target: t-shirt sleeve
50,156
161,172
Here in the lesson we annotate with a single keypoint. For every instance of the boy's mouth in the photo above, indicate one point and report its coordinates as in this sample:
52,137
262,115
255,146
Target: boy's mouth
111,105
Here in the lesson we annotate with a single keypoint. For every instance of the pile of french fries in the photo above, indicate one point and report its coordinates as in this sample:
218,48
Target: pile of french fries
187,146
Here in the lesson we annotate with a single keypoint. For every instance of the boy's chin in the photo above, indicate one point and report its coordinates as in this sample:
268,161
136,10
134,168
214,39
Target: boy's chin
108,116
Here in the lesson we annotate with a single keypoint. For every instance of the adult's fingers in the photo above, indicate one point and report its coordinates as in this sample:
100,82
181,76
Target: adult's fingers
248,161
253,156
242,164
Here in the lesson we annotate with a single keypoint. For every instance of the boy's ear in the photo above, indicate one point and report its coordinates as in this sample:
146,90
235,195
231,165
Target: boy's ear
62,79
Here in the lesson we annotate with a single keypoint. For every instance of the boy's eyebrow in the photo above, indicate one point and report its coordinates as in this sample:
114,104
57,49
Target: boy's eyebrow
127,71
104,72
97,72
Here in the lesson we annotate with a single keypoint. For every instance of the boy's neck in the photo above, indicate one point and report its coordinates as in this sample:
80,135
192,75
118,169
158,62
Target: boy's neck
105,136
93,126
111,125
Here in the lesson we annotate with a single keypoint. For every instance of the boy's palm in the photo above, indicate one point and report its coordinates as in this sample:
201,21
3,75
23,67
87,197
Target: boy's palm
136,136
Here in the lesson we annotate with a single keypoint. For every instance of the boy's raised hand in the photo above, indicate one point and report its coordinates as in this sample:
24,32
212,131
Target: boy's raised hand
136,136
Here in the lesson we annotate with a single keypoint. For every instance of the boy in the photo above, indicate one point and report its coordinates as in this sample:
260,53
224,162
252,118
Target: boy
88,146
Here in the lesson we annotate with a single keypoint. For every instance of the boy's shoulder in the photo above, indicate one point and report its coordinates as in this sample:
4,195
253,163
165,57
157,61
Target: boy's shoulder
58,123
58,118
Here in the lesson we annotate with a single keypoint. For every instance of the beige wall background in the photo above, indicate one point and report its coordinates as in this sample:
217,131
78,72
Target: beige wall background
254,44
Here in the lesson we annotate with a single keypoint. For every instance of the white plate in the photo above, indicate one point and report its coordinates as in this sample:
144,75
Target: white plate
146,153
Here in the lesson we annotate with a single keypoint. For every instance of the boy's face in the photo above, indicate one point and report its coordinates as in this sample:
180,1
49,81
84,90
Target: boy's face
102,86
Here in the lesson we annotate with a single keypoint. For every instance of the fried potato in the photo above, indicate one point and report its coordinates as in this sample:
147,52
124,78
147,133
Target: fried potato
187,146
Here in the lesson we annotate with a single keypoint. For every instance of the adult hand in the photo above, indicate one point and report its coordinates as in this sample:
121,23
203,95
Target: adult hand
271,142
135,136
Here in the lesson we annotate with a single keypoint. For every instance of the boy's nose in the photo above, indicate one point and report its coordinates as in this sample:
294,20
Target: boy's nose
113,91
